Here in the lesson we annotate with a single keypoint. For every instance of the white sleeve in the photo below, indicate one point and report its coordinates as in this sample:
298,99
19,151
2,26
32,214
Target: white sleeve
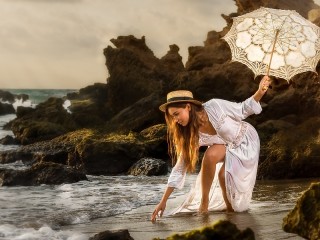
178,175
237,111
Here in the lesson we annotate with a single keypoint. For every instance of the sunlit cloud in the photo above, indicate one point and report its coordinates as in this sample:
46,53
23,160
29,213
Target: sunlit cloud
59,44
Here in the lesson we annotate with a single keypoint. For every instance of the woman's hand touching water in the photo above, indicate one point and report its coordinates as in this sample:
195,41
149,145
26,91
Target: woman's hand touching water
159,209
162,205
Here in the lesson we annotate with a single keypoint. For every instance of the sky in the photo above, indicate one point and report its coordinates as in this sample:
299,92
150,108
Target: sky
58,44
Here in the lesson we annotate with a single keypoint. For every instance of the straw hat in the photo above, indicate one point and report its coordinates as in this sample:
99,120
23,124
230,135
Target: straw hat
179,96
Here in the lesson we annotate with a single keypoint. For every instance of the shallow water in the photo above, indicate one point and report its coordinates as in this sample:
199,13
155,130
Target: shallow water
3,120
272,200
80,210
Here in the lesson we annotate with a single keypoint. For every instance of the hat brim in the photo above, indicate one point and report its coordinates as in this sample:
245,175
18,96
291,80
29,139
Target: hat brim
163,107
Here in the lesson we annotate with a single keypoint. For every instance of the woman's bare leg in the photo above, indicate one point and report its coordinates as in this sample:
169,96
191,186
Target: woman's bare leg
222,181
212,156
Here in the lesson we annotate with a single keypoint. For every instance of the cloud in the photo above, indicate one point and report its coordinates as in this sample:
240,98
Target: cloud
47,1
62,41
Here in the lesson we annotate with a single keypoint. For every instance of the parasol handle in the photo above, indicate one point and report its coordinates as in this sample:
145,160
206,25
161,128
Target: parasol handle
274,45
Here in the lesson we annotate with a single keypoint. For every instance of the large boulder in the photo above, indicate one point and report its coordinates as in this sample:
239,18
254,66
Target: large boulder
22,111
6,108
6,96
149,167
41,173
56,150
89,106
136,73
11,156
112,235
47,121
9,140
270,127
130,66
138,116
215,51
304,219
171,64
7,99
113,154
222,229
293,152
94,151
108,154
155,141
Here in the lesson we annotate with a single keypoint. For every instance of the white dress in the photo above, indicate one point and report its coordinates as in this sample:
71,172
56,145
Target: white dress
241,159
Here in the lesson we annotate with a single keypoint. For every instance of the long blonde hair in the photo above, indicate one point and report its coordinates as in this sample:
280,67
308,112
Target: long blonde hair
182,140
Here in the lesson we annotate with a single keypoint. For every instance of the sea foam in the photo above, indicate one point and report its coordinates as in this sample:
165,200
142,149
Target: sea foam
8,231
66,105
20,102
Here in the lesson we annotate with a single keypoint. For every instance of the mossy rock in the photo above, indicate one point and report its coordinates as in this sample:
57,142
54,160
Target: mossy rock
41,173
221,230
304,219
293,153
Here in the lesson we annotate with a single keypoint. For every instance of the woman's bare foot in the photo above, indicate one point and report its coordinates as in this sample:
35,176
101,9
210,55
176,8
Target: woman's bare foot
229,208
203,209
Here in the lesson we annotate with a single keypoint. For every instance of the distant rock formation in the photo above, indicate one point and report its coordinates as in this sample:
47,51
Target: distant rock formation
149,167
6,108
7,96
46,121
7,99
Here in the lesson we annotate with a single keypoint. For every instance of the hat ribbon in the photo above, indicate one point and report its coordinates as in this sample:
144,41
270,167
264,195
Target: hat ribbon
179,98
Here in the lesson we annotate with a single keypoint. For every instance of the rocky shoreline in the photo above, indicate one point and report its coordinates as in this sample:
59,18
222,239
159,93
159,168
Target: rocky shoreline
114,125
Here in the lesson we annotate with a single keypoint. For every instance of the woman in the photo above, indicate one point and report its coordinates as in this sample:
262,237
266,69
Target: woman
232,154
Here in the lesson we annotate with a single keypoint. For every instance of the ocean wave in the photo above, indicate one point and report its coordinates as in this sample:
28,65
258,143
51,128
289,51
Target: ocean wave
19,102
28,103
18,165
6,118
66,105
11,232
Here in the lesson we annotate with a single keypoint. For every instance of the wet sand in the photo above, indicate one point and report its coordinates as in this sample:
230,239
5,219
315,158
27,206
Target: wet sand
266,225
271,202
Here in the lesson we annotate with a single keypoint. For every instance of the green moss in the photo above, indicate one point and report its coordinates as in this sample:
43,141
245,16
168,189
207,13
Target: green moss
221,230
75,137
296,145
155,131
81,103
116,137
304,219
